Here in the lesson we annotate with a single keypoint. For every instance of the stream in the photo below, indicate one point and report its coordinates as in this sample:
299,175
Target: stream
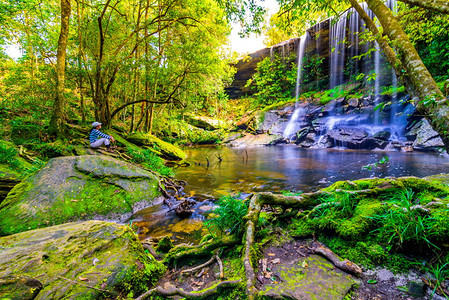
274,169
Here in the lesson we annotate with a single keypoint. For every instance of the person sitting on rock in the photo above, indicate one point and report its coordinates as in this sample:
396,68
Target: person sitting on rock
98,138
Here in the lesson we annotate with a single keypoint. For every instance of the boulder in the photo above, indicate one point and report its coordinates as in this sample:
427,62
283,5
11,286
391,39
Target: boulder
250,140
273,122
427,138
353,103
350,137
204,122
59,262
77,188
313,278
382,135
164,149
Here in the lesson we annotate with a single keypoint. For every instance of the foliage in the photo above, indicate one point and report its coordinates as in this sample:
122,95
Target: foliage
312,68
403,224
429,32
273,81
229,216
8,155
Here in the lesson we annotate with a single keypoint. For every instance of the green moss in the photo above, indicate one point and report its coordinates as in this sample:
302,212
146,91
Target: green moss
83,197
168,150
164,245
360,222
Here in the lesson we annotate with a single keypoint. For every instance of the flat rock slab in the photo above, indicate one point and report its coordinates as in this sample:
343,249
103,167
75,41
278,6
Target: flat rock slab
310,278
59,262
77,188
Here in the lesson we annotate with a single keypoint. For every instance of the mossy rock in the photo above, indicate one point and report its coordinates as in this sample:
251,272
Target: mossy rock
417,185
103,255
313,278
77,188
205,122
167,150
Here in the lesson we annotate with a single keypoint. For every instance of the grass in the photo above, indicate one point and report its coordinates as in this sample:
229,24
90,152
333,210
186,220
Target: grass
229,216
403,224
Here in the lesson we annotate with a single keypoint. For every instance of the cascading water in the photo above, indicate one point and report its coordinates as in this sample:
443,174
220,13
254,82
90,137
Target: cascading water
346,37
337,57
294,123
305,39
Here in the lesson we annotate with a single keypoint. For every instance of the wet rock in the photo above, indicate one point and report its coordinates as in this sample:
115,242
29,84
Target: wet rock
48,263
384,275
315,278
416,289
382,135
302,134
166,150
354,102
232,137
309,141
77,188
349,137
273,123
426,137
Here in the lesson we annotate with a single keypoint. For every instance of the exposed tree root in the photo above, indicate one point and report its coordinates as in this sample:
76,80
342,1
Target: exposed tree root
189,295
205,249
220,264
342,264
251,225
303,201
210,261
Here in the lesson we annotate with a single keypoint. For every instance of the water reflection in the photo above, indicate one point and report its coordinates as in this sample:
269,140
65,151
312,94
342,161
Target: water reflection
292,168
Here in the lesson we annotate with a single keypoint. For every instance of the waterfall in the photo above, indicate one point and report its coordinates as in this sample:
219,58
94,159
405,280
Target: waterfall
377,120
301,52
337,57
294,124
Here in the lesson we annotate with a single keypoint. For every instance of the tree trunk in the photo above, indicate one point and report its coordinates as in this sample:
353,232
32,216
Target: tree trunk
431,102
435,5
58,115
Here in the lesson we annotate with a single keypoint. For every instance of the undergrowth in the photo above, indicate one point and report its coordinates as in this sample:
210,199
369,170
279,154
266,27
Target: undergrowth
149,160
229,217
375,230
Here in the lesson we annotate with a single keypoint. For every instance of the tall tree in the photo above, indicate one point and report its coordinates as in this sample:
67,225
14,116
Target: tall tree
58,115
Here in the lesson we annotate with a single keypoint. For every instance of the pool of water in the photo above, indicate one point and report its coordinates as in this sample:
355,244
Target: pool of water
218,171
292,168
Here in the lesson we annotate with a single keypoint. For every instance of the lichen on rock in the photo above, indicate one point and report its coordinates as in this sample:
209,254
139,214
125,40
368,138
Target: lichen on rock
76,188
102,255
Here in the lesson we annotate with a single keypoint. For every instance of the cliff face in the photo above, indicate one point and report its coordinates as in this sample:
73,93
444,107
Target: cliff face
246,67
331,53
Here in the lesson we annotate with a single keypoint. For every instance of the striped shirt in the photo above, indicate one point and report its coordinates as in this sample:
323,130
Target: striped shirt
97,134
